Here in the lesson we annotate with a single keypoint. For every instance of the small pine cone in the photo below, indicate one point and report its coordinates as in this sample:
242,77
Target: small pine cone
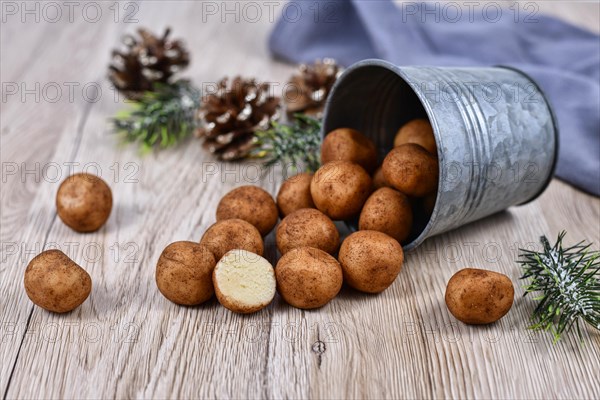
230,116
147,60
308,89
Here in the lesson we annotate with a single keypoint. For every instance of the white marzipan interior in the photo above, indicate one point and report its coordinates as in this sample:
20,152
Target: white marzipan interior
246,277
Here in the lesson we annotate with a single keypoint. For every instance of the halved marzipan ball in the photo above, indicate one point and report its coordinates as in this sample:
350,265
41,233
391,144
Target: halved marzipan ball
232,234
307,227
252,204
55,282
294,194
244,282
340,188
345,144
84,202
184,273
308,277
411,169
370,260
417,131
387,211
477,296
379,179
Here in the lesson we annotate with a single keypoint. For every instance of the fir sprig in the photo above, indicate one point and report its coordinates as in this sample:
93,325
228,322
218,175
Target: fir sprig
568,285
162,117
294,145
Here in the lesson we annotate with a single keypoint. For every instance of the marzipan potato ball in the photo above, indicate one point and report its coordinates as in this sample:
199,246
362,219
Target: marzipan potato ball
308,277
244,282
307,227
387,211
294,194
379,179
184,273
417,131
252,204
477,296
232,234
411,169
370,260
55,282
84,202
345,144
340,188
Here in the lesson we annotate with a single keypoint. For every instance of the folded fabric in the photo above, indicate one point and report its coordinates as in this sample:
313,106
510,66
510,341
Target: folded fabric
563,59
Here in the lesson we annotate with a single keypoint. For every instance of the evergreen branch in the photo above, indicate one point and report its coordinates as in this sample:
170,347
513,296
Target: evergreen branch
568,282
162,117
296,144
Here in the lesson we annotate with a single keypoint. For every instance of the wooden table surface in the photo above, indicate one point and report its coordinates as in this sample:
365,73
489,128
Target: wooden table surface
128,341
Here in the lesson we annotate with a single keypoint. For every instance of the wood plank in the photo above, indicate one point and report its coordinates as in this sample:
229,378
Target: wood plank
138,198
567,208
32,130
128,341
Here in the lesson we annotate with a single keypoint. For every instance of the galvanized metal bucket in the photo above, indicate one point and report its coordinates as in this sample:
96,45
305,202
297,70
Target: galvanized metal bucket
496,134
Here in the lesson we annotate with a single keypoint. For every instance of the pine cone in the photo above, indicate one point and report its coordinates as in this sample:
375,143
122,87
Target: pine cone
231,115
307,90
146,61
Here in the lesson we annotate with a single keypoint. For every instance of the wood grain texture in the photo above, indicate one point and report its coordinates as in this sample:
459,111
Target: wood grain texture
127,341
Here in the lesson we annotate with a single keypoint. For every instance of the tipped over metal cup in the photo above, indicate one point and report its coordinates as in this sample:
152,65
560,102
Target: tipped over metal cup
496,135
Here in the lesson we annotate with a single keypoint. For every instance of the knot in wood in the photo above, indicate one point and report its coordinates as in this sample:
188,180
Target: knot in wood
319,347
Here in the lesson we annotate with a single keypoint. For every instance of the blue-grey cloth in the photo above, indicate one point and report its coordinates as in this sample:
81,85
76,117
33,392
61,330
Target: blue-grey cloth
563,59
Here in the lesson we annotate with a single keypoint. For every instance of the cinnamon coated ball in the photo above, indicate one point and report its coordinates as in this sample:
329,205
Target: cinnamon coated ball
370,260
184,273
478,296
345,144
411,169
84,202
379,179
340,188
308,277
417,131
252,204
55,282
387,211
294,194
307,227
232,234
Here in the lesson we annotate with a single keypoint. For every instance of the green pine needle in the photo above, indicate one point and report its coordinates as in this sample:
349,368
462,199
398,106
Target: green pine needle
568,282
293,145
161,118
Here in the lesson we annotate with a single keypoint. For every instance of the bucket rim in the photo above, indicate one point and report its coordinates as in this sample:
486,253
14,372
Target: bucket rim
375,62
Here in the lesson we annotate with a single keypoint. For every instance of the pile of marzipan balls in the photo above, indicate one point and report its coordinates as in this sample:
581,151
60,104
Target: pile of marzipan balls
350,184
227,261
